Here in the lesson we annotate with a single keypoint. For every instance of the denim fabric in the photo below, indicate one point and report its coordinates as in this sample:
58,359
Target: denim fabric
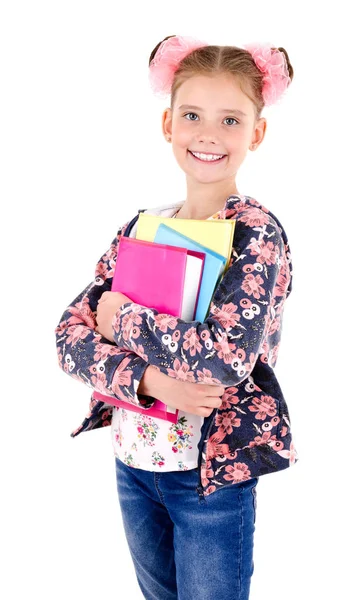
185,546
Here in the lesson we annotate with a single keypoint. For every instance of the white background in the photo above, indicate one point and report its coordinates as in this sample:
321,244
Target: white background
81,151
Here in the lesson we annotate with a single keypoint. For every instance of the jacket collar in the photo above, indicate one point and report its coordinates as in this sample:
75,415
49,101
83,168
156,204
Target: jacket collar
168,210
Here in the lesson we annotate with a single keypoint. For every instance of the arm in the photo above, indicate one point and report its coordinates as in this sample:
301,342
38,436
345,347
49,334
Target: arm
154,383
85,354
225,347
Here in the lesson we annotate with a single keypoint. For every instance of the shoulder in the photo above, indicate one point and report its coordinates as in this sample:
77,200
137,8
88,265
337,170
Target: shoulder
253,218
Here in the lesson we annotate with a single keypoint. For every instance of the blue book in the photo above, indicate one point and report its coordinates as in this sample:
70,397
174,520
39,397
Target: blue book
213,267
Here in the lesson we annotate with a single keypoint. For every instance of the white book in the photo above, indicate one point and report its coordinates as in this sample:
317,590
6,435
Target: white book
193,272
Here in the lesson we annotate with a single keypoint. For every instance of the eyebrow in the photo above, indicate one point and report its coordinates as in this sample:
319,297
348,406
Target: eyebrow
223,110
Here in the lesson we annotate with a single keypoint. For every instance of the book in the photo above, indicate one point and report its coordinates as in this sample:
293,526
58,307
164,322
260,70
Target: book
213,268
216,234
158,276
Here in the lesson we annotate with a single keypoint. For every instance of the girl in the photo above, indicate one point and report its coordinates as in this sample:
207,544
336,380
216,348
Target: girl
187,491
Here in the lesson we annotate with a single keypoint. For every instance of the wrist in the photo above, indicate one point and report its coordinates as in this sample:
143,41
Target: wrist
153,382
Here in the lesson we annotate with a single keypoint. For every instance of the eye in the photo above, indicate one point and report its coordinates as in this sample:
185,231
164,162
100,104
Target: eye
189,114
226,119
231,119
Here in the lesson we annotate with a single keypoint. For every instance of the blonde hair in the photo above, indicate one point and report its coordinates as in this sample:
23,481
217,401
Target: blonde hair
217,60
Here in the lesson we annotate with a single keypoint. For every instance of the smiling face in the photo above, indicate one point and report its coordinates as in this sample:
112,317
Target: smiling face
212,115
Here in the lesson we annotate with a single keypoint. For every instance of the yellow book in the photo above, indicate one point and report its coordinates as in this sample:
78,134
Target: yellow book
215,234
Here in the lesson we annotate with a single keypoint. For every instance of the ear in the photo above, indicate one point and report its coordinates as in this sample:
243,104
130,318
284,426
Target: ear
167,123
258,133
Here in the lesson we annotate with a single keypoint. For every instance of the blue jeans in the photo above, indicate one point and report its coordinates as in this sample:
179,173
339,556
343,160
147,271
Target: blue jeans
185,547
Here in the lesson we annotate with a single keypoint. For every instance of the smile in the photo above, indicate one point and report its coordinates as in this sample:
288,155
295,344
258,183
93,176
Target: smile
209,160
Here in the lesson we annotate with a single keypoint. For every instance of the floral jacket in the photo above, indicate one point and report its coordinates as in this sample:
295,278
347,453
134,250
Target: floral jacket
236,346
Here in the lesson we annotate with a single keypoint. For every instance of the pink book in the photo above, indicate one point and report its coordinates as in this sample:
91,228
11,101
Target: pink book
163,277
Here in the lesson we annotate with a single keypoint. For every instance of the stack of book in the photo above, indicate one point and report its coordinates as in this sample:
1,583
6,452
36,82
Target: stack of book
173,266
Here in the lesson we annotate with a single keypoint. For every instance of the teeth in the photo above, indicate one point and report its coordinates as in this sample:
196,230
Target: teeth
207,156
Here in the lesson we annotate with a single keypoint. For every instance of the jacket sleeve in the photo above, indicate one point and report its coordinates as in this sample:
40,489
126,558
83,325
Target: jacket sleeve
222,350
85,354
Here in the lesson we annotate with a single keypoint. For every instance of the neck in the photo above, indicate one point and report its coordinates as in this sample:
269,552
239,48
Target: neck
203,202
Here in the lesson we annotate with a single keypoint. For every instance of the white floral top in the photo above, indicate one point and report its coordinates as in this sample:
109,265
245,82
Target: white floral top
154,444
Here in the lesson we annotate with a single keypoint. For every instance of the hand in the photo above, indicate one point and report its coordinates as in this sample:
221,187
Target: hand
108,304
196,398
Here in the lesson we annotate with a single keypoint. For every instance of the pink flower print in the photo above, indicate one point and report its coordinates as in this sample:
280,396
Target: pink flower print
237,472
275,326
240,355
102,351
61,328
214,446
276,444
254,218
227,421
102,270
99,382
258,440
192,341
229,398
127,323
205,336
265,347
252,285
249,365
274,355
122,377
291,454
256,203
224,348
206,473
263,406
140,351
240,207
164,321
82,312
282,281
60,356
226,315
76,333
284,430
205,376
181,370
267,252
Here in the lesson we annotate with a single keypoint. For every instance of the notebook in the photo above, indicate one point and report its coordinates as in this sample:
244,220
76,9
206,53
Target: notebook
158,276
215,234
213,268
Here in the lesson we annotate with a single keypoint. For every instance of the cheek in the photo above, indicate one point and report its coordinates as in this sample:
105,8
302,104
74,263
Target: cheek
181,137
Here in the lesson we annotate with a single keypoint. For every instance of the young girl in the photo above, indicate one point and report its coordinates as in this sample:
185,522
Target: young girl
187,491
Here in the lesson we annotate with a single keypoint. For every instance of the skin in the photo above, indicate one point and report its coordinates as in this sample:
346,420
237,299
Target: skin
211,132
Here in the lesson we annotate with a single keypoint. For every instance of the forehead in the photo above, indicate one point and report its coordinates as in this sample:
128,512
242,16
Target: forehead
216,93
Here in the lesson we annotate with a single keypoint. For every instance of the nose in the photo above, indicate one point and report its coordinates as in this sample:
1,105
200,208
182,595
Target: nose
207,134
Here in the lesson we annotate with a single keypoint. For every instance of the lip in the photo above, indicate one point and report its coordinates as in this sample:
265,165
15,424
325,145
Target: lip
209,162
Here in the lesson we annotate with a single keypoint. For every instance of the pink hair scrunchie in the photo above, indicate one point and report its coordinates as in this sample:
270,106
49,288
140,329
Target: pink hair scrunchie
273,65
271,62
166,61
